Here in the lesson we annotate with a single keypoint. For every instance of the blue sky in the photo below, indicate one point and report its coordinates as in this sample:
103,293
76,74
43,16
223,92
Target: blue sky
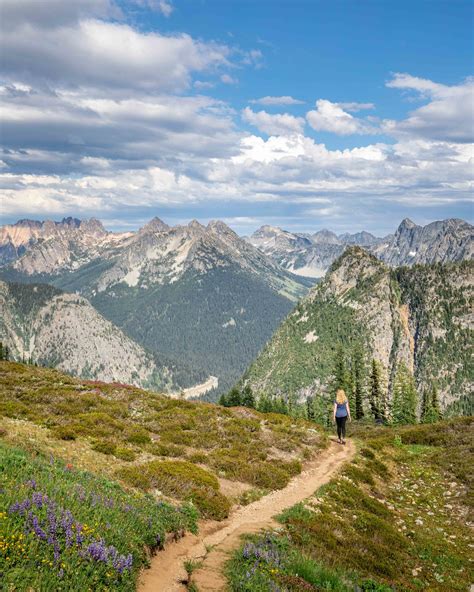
302,114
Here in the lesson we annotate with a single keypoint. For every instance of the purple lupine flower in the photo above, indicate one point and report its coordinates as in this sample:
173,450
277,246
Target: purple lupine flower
36,527
31,483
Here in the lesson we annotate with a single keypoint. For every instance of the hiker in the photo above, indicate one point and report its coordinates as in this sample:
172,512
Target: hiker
341,413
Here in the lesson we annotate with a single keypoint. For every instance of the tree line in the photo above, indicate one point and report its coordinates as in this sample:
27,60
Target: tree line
366,386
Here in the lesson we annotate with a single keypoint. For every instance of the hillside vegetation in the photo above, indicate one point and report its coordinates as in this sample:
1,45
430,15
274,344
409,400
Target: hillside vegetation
398,517
415,318
62,528
52,328
171,447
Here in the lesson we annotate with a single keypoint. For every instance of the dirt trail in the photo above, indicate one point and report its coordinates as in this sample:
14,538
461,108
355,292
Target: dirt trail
217,539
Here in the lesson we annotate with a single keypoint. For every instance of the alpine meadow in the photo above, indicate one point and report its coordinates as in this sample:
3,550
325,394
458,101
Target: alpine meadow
236,296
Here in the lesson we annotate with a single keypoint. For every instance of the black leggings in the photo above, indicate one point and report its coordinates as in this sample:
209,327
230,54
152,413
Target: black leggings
341,426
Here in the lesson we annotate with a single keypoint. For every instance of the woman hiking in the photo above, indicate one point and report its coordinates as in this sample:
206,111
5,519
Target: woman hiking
341,413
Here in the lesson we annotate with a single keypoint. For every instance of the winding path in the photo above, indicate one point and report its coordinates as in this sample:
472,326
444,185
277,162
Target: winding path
216,540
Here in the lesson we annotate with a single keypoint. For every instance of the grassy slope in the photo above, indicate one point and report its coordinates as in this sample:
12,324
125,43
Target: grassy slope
395,516
149,441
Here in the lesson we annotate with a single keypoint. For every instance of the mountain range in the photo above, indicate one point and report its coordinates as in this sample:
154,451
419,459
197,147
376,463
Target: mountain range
311,255
420,316
200,296
191,304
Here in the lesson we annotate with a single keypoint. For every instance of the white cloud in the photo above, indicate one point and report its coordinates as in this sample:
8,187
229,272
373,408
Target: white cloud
227,79
203,84
51,14
448,116
284,100
104,125
280,124
331,117
354,107
106,55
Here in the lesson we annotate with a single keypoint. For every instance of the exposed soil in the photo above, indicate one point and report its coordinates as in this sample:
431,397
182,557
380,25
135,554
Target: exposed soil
216,540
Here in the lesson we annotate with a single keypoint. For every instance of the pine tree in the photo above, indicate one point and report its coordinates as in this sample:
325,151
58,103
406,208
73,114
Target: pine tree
322,408
310,408
375,391
6,354
234,398
340,372
358,375
223,400
1,350
430,411
405,397
264,403
248,399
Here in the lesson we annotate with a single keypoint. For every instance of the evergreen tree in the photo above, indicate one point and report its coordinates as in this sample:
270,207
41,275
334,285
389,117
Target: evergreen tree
430,410
358,376
405,397
340,371
6,353
248,399
322,406
234,398
378,395
223,400
264,403
280,406
1,350
310,408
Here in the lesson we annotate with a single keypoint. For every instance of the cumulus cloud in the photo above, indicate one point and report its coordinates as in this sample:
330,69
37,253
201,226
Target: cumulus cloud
280,124
37,127
284,100
448,116
98,117
51,14
106,55
331,117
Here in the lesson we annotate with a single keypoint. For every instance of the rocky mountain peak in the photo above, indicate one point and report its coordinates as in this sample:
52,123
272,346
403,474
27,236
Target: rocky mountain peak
71,222
220,228
26,223
406,224
195,225
154,225
93,227
325,236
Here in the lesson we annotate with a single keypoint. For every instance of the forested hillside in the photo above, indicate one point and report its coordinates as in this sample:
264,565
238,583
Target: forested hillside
366,323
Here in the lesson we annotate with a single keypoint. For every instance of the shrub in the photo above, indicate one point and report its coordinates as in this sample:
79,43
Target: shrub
104,446
64,433
159,449
138,436
180,479
125,453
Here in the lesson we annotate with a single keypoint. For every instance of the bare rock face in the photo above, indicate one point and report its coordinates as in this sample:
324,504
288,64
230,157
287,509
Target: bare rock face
443,241
48,247
46,325
312,255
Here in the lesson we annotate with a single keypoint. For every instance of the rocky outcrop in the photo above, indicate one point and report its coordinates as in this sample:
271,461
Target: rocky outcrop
443,241
420,316
43,324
